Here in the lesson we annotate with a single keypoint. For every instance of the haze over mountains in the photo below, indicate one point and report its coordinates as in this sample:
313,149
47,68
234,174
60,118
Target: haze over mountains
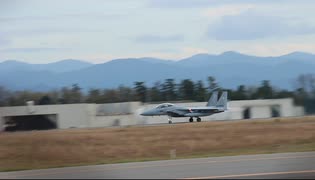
229,68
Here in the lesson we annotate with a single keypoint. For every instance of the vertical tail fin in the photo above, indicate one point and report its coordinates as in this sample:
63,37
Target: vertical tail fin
222,102
213,99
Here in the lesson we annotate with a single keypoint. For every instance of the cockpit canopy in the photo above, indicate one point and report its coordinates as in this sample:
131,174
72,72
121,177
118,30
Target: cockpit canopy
164,105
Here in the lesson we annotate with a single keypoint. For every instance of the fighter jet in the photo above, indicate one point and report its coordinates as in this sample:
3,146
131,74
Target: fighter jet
213,106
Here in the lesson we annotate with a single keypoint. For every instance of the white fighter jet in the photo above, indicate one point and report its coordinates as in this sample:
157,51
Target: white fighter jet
213,106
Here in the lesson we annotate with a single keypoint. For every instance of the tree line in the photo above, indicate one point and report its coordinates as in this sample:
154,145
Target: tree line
167,90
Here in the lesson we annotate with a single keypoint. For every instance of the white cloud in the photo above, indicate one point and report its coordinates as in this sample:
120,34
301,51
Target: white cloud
225,10
179,3
186,4
100,31
251,25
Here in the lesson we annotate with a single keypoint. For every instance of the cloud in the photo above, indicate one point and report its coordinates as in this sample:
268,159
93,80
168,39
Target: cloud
31,50
68,16
224,10
47,31
209,3
250,25
179,3
159,39
4,41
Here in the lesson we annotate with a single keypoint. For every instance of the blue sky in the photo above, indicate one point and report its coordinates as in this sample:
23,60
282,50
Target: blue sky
43,31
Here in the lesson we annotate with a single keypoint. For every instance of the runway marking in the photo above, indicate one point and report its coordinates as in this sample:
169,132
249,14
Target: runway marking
145,166
254,174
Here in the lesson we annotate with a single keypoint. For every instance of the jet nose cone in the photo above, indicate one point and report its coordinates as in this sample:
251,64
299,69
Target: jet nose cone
145,113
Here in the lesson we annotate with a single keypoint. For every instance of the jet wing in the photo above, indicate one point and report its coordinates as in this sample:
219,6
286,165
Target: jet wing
184,111
177,112
204,109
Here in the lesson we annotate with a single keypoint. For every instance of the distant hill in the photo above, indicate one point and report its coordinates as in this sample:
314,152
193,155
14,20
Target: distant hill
66,65
56,67
230,69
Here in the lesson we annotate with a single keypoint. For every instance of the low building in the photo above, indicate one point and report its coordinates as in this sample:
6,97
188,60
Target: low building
32,117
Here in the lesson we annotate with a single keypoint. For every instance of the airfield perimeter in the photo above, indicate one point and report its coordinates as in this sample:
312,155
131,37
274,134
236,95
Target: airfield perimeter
72,147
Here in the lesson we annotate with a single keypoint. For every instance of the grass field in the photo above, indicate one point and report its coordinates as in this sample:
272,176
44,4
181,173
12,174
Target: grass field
58,148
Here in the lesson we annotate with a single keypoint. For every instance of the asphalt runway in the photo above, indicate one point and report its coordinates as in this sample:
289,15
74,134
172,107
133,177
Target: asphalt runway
281,165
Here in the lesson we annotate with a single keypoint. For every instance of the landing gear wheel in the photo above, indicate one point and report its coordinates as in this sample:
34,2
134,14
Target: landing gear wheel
169,122
191,119
198,119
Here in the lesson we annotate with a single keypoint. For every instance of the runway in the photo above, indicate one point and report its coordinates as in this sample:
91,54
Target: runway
280,165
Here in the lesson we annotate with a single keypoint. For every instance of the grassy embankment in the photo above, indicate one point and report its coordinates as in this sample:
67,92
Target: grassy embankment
58,148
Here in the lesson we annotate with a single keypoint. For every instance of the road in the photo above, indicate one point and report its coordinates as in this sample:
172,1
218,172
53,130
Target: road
280,165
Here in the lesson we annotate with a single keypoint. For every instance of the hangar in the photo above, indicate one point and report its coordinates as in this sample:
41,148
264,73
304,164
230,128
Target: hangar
33,117
42,117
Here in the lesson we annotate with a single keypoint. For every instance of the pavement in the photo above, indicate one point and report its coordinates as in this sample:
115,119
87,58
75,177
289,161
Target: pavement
262,166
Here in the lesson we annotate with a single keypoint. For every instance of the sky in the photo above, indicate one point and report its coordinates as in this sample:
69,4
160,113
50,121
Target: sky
97,31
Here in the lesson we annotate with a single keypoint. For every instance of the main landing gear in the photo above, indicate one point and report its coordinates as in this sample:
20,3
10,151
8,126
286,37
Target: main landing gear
191,119
198,119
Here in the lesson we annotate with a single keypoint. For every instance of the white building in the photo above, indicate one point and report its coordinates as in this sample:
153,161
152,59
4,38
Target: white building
127,113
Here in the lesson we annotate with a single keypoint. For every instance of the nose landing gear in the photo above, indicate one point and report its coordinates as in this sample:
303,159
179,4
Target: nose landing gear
170,120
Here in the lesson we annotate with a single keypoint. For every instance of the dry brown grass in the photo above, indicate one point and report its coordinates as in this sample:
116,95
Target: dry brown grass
55,148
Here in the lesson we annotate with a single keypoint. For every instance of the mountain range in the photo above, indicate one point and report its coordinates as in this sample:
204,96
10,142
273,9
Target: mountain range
231,69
